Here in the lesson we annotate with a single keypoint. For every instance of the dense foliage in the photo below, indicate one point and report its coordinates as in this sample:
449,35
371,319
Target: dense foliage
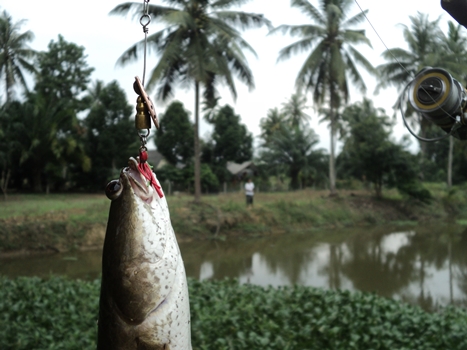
70,135
332,63
288,145
369,154
108,142
62,314
44,127
200,47
230,142
174,138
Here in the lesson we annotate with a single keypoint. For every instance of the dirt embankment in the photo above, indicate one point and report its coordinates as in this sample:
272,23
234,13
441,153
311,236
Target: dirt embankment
55,232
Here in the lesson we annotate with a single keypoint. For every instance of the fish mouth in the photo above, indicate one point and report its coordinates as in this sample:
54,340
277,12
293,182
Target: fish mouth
130,175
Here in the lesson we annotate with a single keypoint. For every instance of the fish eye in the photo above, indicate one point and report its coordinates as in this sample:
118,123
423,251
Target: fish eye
113,189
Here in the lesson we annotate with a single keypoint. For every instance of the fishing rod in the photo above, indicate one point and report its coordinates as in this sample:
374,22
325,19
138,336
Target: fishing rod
457,9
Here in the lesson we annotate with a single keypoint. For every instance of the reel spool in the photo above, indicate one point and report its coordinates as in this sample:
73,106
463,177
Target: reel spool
441,99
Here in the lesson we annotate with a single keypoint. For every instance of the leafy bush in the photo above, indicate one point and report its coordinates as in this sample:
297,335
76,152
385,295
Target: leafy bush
226,316
48,314
61,314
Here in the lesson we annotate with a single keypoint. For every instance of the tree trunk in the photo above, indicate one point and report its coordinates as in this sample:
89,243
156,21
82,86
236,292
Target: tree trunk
378,188
332,160
451,290
197,151
4,182
424,125
294,181
451,147
37,181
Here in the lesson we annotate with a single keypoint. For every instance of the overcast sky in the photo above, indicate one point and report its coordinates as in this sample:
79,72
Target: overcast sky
105,38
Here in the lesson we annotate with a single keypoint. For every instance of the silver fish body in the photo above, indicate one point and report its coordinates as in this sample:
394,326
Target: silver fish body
144,294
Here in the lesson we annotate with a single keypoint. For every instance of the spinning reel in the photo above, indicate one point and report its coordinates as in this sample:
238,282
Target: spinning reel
436,95
439,98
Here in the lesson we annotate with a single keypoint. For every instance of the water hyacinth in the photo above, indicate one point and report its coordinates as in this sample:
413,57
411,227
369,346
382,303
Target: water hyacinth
59,313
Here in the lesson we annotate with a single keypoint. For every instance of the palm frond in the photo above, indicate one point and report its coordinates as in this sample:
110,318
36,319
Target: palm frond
131,54
356,37
201,43
180,19
242,70
222,4
314,63
304,30
357,19
297,47
15,55
307,8
135,10
220,28
398,54
222,31
170,66
362,60
243,20
354,73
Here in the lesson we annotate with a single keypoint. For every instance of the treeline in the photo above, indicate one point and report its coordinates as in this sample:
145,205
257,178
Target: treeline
68,133
45,145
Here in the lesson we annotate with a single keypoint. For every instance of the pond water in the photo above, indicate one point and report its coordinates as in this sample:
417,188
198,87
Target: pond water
421,265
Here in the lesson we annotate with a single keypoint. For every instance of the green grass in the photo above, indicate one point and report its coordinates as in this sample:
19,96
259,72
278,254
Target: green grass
44,222
76,205
63,222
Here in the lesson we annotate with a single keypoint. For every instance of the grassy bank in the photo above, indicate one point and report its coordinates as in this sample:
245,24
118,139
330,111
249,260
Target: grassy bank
61,314
64,222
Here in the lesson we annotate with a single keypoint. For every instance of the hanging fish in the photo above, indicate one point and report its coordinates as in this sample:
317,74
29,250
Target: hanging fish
144,295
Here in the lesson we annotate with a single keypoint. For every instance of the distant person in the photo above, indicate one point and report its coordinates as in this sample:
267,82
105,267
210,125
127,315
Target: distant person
249,192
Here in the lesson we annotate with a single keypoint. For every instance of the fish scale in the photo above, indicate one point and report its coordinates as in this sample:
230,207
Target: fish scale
144,301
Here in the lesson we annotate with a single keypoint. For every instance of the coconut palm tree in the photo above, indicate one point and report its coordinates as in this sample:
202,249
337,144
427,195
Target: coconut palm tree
92,98
331,64
15,54
199,47
455,60
422,37
294,110
291,148
271,123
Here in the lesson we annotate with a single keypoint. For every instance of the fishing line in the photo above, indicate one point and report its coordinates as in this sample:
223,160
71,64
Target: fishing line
144,106
144,21
381,39
402,97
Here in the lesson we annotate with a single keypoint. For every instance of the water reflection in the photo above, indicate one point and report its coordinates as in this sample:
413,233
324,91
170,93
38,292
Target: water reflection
83,265
424,266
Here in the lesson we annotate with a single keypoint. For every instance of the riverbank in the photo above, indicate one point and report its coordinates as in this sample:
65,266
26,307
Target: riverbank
58,223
